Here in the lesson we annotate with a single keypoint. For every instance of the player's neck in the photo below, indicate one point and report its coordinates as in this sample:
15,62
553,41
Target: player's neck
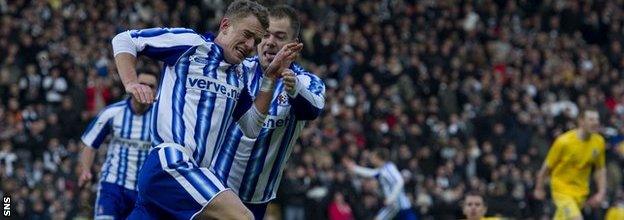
137,108
582,134
219,42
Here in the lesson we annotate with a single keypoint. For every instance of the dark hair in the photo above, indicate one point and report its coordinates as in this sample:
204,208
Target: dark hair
242,8
473,193
285,11
382,153
148,71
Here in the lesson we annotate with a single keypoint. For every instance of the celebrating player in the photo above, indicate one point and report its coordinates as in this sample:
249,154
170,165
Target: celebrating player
396,203
569,164
201,94
128,123
253,167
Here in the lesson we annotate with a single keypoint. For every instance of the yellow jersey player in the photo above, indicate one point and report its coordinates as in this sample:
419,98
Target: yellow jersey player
569,164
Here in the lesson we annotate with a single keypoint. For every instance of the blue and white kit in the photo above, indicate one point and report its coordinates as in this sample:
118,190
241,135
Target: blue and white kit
391,183
200,96
253,167
127,150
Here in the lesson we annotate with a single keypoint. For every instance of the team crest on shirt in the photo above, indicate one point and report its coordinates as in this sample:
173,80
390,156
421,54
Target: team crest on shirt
282,99
594,153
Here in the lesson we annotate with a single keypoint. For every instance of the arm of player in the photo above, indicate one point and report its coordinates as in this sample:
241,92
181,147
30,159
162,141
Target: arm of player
359,170
600,176
552,158
164,44
539,182
92,138
306,93
601,181
86,161
252,120
365,171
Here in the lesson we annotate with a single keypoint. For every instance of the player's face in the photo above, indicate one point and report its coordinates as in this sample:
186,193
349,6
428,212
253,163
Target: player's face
149,80
240,37
591,121
280,33
474,207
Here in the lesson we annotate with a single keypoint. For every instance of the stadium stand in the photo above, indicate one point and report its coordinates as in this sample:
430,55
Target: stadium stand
467,95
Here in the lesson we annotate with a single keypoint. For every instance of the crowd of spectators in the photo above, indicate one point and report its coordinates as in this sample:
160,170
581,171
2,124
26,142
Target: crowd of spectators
467,95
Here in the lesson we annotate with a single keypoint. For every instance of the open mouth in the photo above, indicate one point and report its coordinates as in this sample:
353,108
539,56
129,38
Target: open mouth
241,53
270,55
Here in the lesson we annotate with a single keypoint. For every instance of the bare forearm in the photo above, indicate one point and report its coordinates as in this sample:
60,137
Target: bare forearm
601,180
263,101
86,157
126,66
541,177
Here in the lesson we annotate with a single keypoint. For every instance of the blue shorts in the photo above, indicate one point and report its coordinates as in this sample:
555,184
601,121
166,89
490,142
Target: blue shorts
114,201
172,186
258,209
406,214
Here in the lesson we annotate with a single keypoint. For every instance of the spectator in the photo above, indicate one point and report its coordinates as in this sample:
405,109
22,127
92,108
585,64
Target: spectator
54,85
339,209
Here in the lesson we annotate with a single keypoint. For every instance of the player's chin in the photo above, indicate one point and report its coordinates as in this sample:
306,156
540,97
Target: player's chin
236,59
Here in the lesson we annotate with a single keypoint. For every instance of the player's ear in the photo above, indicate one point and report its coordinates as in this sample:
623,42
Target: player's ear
224,25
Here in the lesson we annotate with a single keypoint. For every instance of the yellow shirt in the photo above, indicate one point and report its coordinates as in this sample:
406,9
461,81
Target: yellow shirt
571,159
615,213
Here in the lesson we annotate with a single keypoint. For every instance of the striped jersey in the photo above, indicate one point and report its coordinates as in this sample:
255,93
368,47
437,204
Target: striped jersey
388,177
198,93
129,142
253,167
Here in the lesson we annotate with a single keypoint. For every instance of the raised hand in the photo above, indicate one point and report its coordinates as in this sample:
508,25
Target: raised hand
283,59
290,81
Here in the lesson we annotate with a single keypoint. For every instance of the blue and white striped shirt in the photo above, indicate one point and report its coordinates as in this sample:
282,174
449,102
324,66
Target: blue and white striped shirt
389,177
253,167
128,145
200,94
391,183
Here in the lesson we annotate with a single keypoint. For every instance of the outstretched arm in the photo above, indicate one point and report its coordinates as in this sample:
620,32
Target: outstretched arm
359,170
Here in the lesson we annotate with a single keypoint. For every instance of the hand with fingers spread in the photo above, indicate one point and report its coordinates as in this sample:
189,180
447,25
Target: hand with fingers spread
283,59
290,81
140,92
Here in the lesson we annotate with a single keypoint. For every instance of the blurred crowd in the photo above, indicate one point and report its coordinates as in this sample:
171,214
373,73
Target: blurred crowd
467,95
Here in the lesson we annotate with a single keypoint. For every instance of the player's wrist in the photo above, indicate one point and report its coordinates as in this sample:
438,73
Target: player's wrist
267,84
295,91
